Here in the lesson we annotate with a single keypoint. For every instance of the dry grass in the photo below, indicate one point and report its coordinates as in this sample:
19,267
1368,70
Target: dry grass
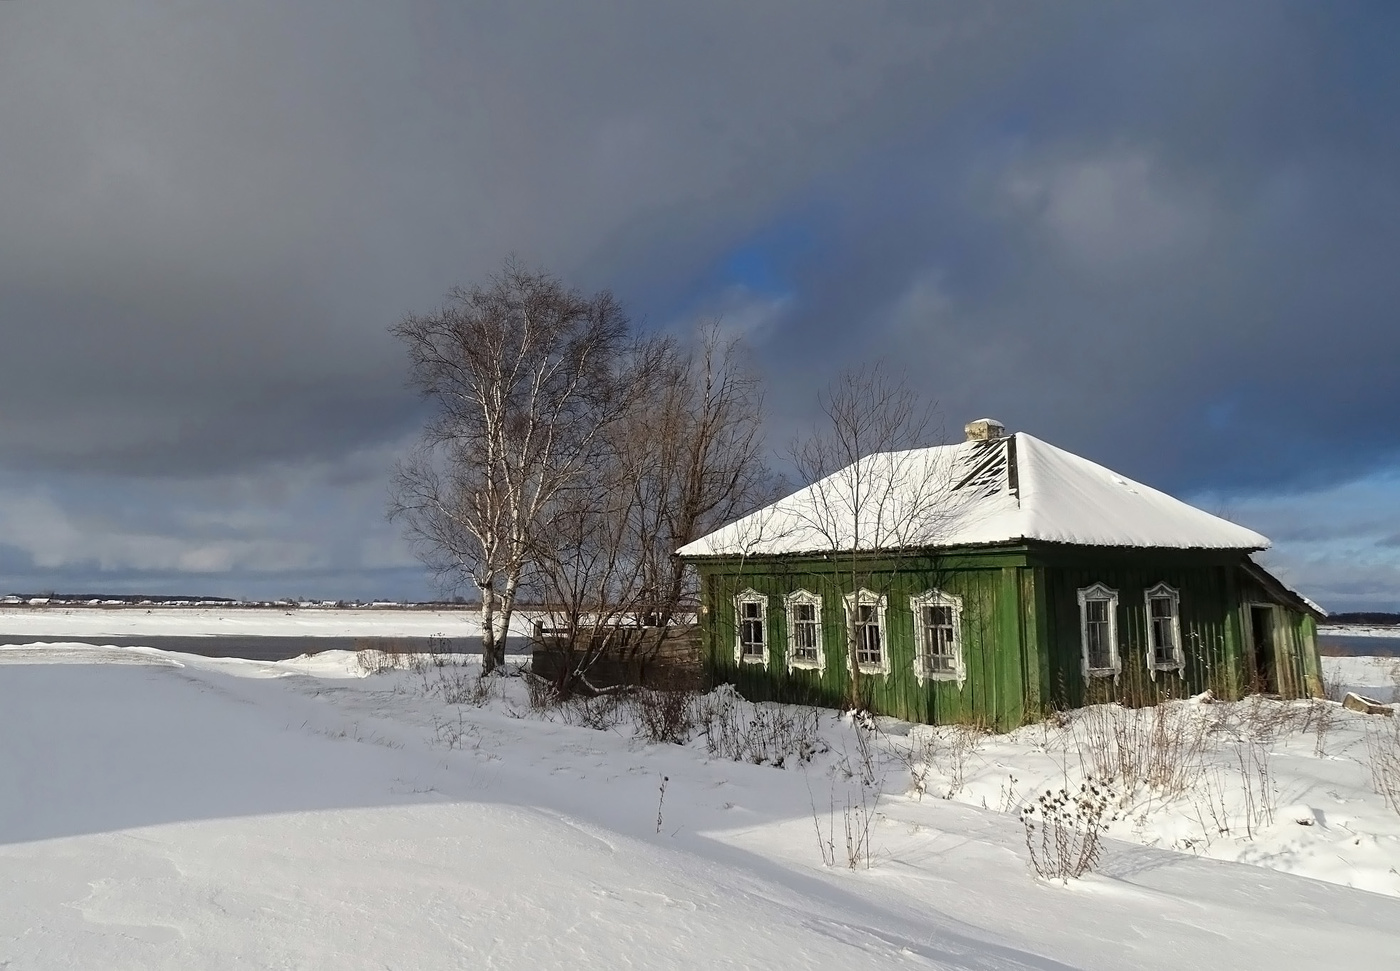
377,655
1220,815
1261,719
600,712
857,817
1383,754
456,734
946,750
1162,748
742,731
665,716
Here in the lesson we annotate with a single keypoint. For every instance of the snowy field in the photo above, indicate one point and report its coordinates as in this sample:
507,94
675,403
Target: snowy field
171,811
1359,630
53,622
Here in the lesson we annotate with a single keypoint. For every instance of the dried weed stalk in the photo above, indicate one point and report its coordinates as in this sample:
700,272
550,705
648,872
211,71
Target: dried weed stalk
1383,752
1064,829
761,734
1161,748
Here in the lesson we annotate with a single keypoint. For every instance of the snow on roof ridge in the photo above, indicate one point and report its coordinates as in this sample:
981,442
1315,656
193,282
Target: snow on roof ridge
1135,512
1056,497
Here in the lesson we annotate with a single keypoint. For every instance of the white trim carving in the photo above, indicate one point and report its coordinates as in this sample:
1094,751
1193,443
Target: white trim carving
867,598
742,628
1099,593
922,670
794,600
1164,591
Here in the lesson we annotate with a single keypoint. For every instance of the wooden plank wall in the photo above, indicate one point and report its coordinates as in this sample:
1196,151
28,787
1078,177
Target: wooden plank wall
998,628
1020,631
1211,654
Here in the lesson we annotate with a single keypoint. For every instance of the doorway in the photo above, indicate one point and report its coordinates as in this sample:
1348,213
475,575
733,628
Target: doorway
1261,624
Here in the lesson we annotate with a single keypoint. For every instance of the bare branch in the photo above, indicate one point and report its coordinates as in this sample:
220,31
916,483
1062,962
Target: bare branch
522,373
876,483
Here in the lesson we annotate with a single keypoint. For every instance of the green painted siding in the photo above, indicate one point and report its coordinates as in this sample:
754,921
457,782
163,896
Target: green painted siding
1204,608
1297,667
1020,630
998,635
1311,661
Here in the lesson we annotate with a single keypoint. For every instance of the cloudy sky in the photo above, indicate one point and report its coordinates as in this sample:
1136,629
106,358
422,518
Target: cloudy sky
1164,236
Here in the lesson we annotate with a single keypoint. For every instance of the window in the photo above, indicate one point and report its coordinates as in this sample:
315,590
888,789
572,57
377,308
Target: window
865,620
1164,630
751,636
870,647
1098,630
937,636
804,617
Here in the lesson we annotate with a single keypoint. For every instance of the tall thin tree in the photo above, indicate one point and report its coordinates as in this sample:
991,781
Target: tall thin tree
875,486
685,457
521,373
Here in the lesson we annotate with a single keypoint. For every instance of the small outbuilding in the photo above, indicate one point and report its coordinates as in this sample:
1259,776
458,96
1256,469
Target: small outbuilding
990,582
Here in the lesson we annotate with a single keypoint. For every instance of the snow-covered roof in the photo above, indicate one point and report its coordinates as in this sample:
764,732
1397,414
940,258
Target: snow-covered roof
1281,589
973,493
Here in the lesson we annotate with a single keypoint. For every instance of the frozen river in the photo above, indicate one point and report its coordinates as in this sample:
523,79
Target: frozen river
254,633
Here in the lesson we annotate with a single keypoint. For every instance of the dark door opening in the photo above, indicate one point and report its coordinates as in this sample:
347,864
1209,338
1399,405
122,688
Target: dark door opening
1261,622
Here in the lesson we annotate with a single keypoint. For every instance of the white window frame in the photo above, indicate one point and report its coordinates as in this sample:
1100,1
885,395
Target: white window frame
867,598
1161,591
750,597
937,598
793,600
1099,592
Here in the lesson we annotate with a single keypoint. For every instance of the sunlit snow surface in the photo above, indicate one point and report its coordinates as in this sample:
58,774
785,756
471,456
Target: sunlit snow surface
56,622
166,811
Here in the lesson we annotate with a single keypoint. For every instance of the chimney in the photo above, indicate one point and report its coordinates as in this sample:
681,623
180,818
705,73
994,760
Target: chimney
984,430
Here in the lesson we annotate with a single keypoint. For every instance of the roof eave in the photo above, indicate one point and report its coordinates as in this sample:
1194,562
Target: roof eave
955,547
1283,591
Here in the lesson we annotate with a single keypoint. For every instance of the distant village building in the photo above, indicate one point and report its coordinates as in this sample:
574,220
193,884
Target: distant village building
993,581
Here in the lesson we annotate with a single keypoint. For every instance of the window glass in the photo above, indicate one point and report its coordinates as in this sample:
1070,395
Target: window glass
1097,634
868,642
751,633
804,631
1161,611
939,642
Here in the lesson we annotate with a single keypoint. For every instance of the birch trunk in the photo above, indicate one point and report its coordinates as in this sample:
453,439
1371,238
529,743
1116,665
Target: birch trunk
506,611
488,629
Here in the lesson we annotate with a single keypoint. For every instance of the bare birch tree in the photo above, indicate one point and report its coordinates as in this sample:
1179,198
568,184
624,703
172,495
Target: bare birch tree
685,458
875,486
522,374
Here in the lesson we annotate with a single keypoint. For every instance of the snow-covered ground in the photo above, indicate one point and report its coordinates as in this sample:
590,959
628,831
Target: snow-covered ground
59,622
170,811
1373,677
1359,630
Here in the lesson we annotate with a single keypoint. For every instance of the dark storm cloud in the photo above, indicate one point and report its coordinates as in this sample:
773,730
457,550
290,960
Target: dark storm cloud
1170,246
1161,236
214,211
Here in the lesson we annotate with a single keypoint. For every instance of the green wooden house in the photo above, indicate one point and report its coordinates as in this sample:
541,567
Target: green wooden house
990,582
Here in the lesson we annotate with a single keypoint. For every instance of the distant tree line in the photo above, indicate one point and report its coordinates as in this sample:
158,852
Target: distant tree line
1364,617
